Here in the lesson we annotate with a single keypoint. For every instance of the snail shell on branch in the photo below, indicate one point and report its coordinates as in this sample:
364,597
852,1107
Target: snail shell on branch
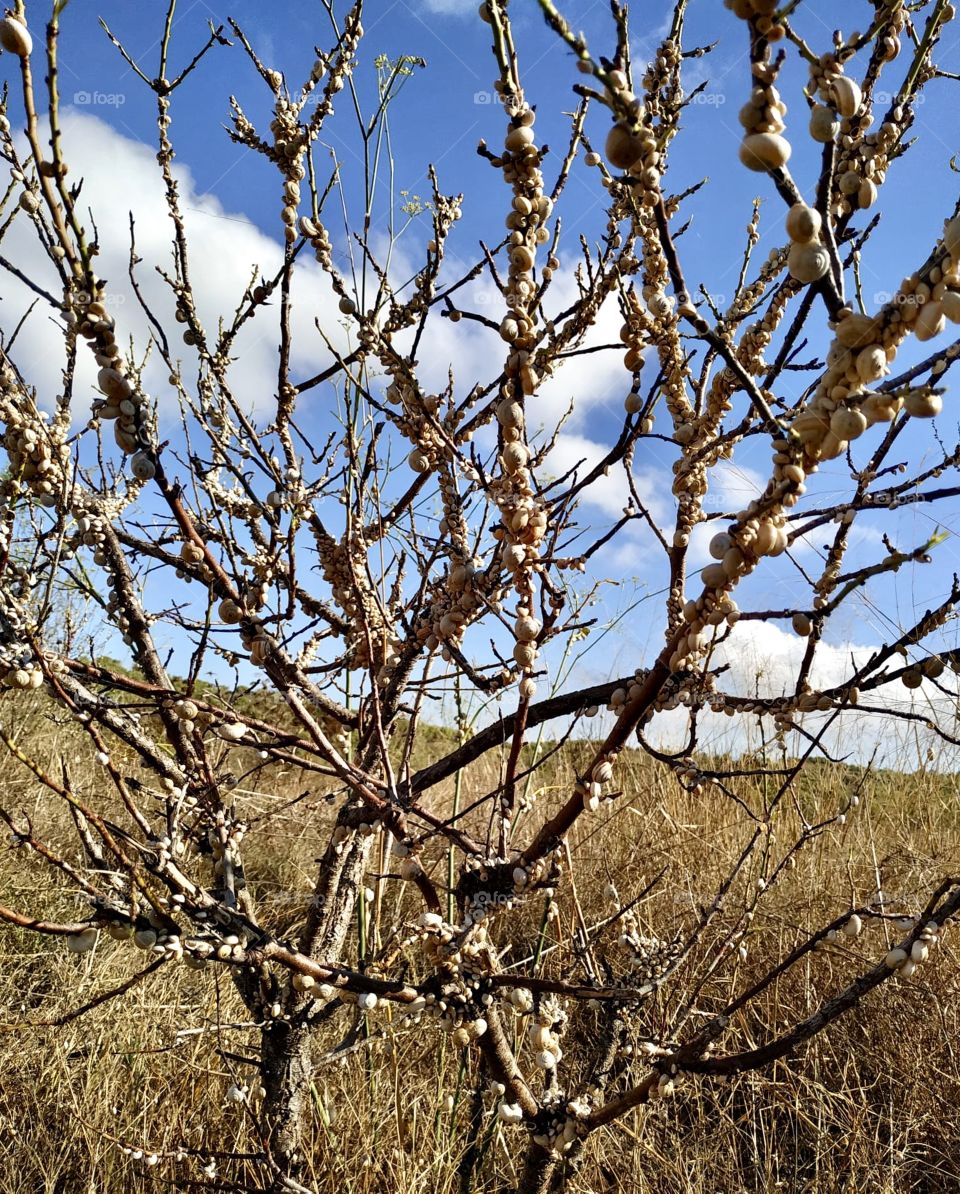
847,96
808,262
230,612
950,305
803,223
923,405
526,628
114,384
82,942
930,322
951,236
142,467
764,151
856,331
622,147
15,37
824,125
871,363
847,424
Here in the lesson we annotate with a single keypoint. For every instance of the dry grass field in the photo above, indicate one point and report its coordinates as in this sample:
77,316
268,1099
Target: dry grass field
870,1105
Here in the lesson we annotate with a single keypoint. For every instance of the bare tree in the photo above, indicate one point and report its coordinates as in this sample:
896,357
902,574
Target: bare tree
423,551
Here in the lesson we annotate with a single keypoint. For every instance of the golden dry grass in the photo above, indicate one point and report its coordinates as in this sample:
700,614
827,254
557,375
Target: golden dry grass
870,1105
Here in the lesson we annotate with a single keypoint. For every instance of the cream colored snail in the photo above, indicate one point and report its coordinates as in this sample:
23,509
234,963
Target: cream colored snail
824,125
950,305
82,942
230,612
113,384
142,466
857,331
622,147
923,404
951,237
930,322
871,363
847,96
764,151
803,223
808,262
847,424
15,37
526,628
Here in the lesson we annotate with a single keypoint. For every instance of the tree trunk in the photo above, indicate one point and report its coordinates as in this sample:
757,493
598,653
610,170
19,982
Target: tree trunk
286,1073
537,1171
287,1067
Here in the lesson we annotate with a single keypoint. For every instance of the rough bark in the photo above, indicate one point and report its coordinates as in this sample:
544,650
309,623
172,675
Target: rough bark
287,1066
538,1169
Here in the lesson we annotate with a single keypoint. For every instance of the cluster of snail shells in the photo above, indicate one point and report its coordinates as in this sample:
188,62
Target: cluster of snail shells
319,240
291,201
390,659
527,225
190,716
524,522
863,349
193,557
528,874
761,13
122,405
567,1125
289,146
523,519
763,146
543,1037
590,789
650,956
89,532
928,306
359,609
22,675
36,453
836,91
808,259
757,536
632,147
622,696
905,960
444,626
15,37
714,607
526,629
117,611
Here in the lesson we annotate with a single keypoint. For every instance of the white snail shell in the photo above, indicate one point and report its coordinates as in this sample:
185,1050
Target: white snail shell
142,466
808,262
15,37
847,96
764,151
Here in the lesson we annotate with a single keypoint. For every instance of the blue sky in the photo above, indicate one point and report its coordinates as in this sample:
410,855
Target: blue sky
232,205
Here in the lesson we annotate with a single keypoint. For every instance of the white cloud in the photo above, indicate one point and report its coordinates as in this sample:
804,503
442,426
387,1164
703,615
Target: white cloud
450,8
763,660
609,493
121,176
